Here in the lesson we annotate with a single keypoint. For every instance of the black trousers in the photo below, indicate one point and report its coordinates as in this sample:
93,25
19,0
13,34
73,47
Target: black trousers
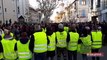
95,51
51,55
72,55
84,56
40,56
62,51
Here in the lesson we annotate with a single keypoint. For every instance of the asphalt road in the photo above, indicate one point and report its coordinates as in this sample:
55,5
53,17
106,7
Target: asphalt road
103,50
79,56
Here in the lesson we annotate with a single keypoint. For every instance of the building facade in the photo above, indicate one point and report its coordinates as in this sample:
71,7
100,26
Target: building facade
23,9
73,12
81,11
11,10
95,10
34,15
1,10
103,10
8,11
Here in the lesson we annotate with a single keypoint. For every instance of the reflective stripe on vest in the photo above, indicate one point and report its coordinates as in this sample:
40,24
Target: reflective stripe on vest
51,45
72,45
61,39
66,29
40,42
97,39
96,43
51,48
23,50
40,45
8,49
24,55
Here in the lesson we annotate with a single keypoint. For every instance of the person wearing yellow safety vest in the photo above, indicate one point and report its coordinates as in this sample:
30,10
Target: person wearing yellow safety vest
1,32
43,27
66,28
39,44
1,50
96,41
23,47
85,46
72,40
8,45
61,41
51,42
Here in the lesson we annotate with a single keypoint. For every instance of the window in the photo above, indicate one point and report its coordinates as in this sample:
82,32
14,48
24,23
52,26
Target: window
18,10
82,2
0,10
105,16
91,4
98,3
5,9
0,7
83,13
13,1
105,4
13,10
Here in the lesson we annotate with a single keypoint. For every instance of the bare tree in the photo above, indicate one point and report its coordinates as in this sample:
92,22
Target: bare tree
46,7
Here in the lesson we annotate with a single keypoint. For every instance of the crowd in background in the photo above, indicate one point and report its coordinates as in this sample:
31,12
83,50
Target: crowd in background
27,30
18,28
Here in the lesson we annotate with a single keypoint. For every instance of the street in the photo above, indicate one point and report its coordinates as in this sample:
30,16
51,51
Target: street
79,57
101,58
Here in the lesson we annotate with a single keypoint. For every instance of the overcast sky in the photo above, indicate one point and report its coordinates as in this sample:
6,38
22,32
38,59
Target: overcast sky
33,4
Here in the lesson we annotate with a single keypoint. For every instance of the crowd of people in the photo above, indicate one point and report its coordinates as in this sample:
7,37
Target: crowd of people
47,40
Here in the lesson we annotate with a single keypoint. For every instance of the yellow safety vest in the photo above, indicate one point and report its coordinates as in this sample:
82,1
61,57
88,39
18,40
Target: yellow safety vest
66,29
1,55
8,49
97,39
40,45
61,39
72,45
85,47
43,29
23,51
51,45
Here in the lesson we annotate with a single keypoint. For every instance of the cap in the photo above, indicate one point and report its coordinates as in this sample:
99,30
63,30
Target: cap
60,26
